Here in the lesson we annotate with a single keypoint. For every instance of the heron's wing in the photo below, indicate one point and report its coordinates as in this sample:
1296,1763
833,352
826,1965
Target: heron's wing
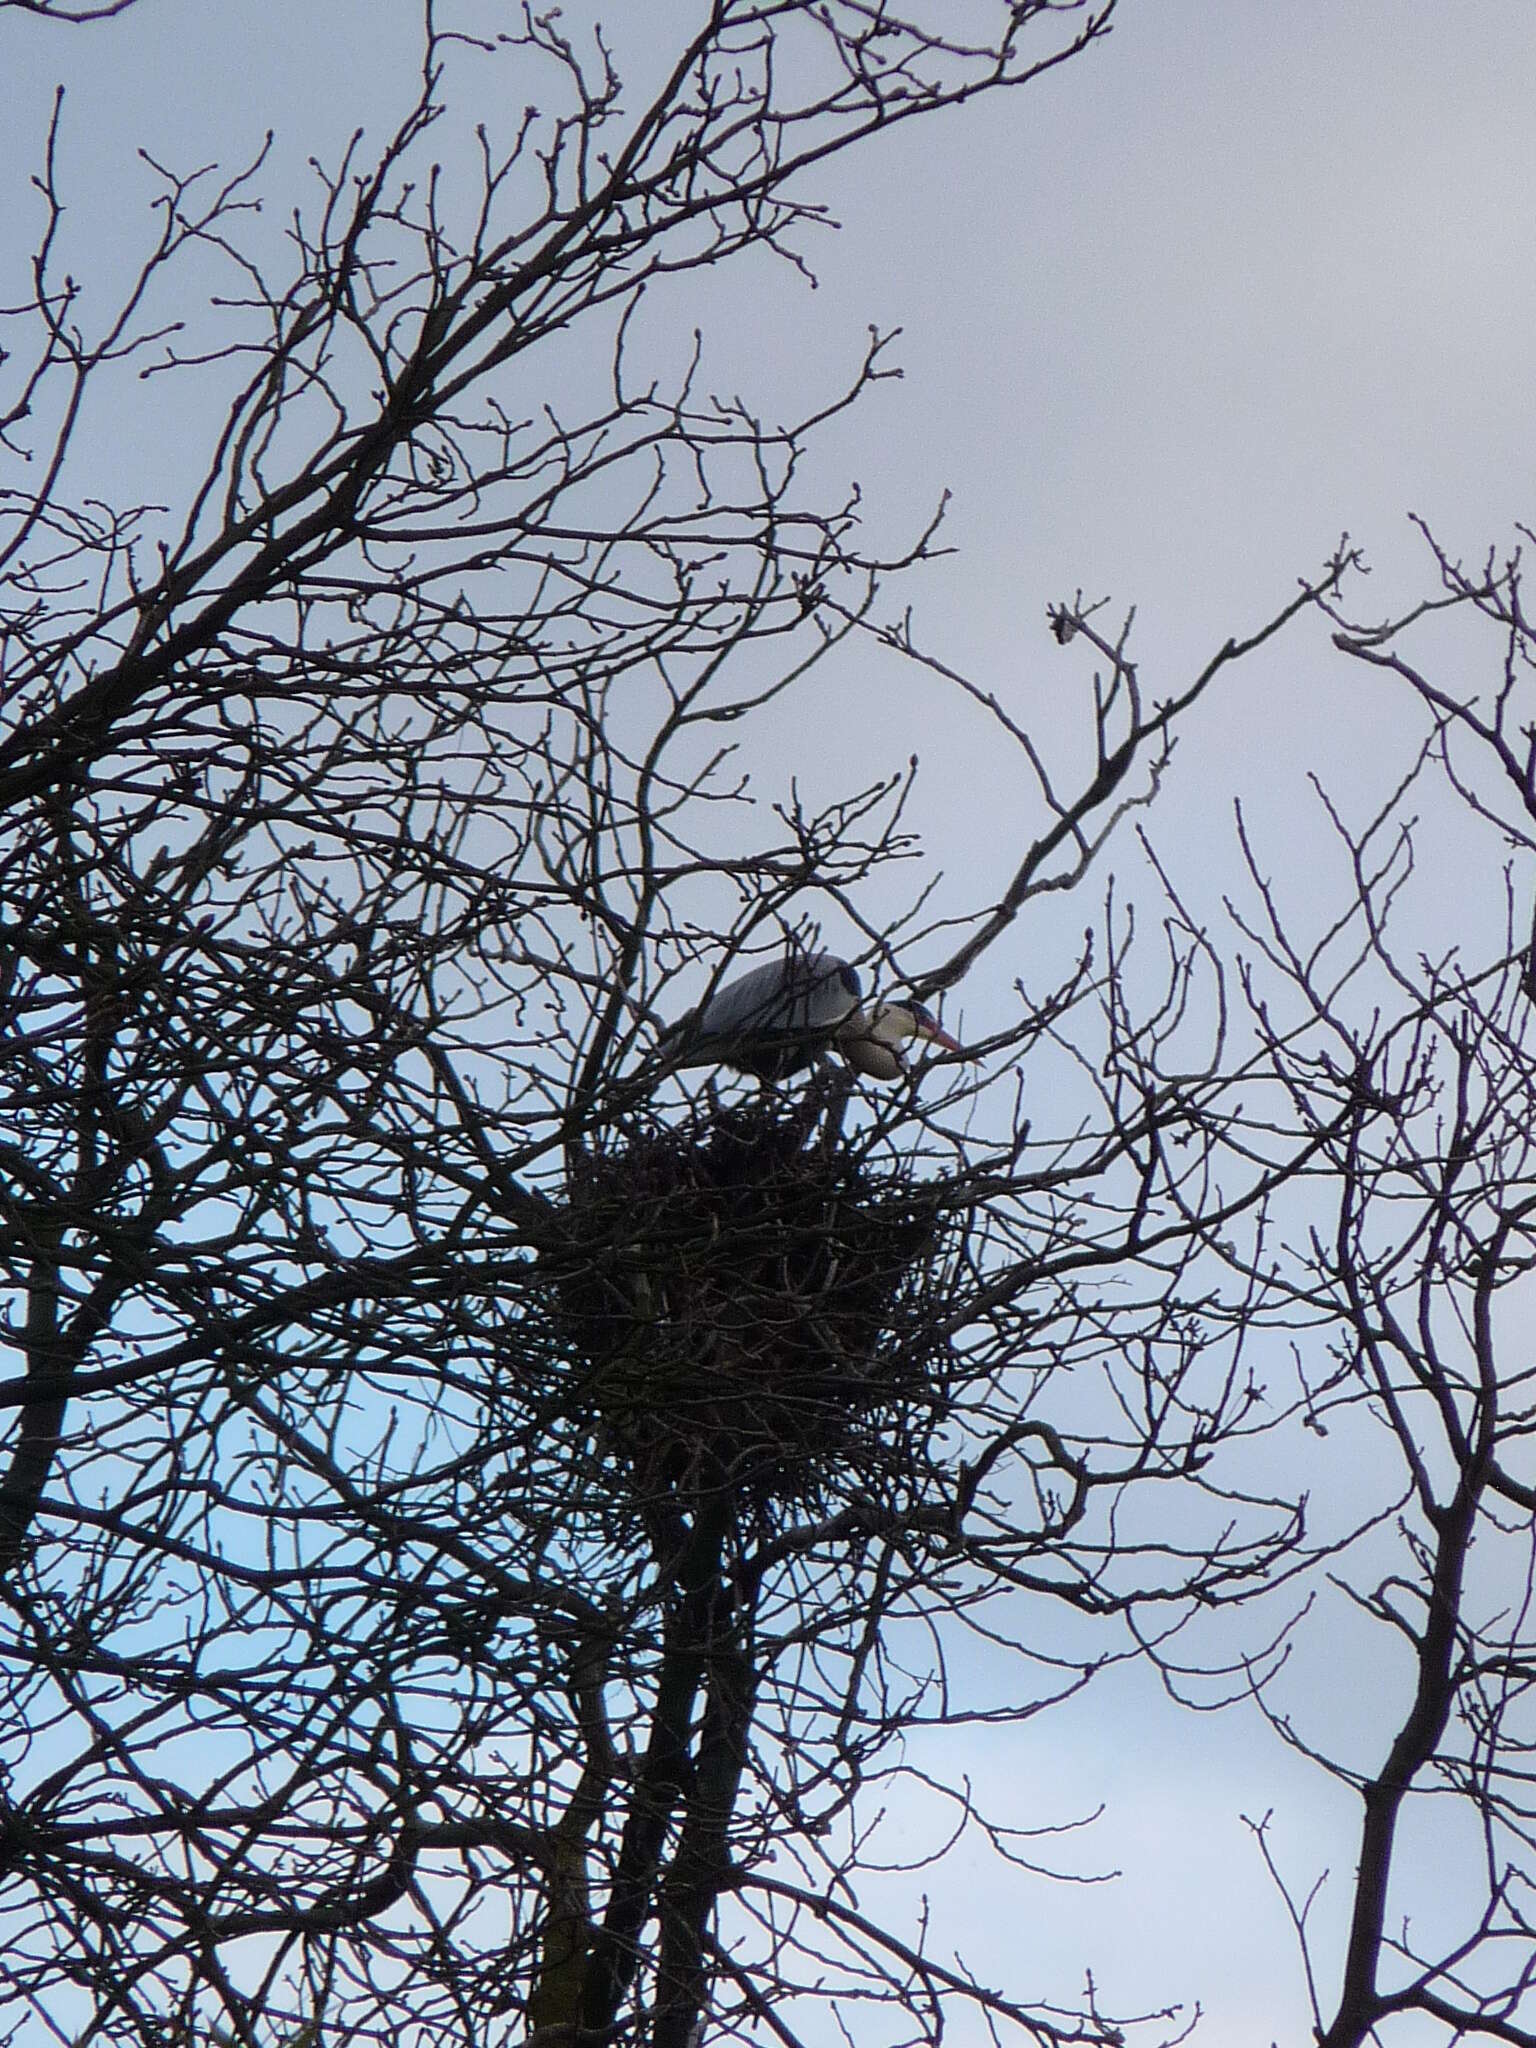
754,1002
805,995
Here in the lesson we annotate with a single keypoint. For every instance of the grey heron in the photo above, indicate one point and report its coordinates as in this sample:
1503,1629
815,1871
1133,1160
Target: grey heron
783,1016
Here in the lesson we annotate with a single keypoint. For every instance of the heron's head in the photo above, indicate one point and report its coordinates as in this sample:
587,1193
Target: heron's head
872,1040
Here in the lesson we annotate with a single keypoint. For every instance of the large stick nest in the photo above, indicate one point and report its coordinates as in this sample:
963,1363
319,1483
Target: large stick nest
752,1304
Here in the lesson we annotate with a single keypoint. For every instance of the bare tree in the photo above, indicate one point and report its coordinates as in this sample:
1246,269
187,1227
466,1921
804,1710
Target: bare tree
478,1522
1390,1286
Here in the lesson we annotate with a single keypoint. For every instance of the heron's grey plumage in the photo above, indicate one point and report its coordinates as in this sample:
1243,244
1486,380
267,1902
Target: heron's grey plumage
788,1013
770,1021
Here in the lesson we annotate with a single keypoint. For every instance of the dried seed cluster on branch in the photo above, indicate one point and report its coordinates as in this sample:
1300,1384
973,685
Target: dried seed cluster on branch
751,1299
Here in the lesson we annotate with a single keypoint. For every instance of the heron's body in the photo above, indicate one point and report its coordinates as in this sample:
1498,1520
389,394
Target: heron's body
788,1013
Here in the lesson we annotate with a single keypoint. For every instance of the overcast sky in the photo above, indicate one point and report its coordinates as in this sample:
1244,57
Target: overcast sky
1243,277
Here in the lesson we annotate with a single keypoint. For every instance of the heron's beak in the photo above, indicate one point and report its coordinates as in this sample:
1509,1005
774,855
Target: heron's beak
927,1028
